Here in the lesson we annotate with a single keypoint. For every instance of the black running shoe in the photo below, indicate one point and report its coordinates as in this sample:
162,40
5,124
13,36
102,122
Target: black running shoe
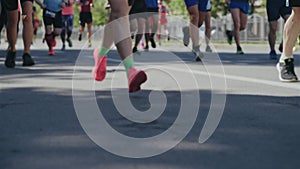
286,70
63,47
27,60
280,48
229,37
80,37
70,43
10,59
134,50
186,35
153,44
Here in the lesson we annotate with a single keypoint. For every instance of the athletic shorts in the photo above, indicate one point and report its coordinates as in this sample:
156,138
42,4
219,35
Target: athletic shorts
189,3
204,6
243,6
52,18
130,2
278,8
294,3
85,17
12,5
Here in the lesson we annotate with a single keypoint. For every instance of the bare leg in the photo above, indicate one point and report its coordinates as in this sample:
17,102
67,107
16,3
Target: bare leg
27,26
194,19
291,31
272,34
12,16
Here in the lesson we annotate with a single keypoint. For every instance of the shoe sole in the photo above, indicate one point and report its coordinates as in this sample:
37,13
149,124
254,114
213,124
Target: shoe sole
137,81
280,78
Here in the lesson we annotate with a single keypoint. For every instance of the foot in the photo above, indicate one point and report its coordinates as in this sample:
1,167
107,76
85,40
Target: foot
198,54
80,37
208,49
99,70
135,79
63,47
239,51
280,48
186,35
10,59
229,37
51,52
70,43
90,44
286,71
134,50
153,44
273,55
27,60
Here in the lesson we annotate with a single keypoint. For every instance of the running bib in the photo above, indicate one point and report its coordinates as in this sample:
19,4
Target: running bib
50,14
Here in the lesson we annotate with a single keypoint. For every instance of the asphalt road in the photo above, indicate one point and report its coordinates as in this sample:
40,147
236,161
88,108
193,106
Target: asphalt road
259,128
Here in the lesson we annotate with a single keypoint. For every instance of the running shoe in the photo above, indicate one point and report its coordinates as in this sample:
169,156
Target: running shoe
135,79
10,59
134,50
198,54
273,55
208,49
280,48
153,44
286,70
239,51
80,37
229,37
51,52
186,35
27,60
63,47
70,43
99,70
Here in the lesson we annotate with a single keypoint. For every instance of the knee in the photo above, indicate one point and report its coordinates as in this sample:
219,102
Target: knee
194,18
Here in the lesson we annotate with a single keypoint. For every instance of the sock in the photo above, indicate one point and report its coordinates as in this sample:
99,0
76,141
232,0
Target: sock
283,57
128,63
49,40
103,51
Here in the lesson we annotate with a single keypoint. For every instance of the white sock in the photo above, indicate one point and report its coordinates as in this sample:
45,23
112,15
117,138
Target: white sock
283,57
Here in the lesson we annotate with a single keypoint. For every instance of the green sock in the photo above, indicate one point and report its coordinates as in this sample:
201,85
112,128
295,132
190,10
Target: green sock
128,63
103,51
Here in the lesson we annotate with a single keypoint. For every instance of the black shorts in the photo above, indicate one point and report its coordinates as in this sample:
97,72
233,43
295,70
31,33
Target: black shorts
12,5
294,3
130,2
152,10
55,20
278,8
85,17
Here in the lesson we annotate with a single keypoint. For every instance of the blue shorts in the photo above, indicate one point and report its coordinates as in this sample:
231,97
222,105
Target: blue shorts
189,3
243,6
294,3
203,5
275,9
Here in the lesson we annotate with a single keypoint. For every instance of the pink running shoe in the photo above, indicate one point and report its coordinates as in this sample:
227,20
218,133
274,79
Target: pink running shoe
51,52
135,79
99,70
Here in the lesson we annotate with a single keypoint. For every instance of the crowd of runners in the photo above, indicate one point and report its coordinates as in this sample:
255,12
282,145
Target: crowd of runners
146,19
